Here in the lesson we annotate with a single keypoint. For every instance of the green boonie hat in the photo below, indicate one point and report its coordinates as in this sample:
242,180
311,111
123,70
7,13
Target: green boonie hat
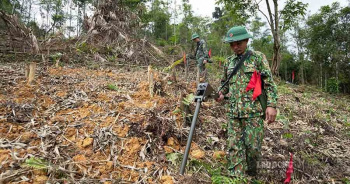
194,36
236,33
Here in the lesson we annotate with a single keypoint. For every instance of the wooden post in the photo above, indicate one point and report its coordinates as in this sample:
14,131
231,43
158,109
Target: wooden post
26,71
31,75
198,76
57,62
150,81
173,74
186,71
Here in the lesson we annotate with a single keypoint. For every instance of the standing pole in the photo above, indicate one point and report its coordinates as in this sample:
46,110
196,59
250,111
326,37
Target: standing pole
188,146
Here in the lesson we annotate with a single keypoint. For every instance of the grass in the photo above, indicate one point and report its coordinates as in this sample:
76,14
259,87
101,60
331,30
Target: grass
284,89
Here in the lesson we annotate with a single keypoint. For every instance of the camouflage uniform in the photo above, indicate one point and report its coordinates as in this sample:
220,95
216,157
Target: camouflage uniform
201,55
245,127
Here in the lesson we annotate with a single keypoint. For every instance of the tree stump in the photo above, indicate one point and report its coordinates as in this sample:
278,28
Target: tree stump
30,72
57,63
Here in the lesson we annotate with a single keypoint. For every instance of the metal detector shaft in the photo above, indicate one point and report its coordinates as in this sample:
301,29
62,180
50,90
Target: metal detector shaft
189,140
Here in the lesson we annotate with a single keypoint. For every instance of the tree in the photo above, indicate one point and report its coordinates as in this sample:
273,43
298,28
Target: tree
328,43
7,6
242,10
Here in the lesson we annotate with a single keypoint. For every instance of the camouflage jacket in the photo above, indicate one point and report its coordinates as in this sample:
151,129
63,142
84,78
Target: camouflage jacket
241,102
201,52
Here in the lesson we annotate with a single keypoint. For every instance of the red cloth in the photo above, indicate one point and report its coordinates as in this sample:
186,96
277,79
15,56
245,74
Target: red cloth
209,53
289,170
184,58
293,75
255,83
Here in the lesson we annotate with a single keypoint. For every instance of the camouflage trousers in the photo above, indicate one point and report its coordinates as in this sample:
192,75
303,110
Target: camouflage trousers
245,137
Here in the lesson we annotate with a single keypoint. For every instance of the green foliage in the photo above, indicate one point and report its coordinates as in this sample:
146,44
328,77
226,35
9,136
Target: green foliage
157,20
328,42
132,4
216,173
174,158
176,111
6,5
291,11
112,87
219,179
36,163
84,47
284,89
332,85
56,55
346,180
39,32
283,119
167,69
112,58
189,99
287,135
161,42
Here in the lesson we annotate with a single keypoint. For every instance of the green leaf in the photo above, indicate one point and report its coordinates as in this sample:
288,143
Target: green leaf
174,158
112,87
189,98
177,110
288,136
36,163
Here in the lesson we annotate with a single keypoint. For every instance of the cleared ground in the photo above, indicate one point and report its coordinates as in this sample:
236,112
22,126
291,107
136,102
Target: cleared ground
78,125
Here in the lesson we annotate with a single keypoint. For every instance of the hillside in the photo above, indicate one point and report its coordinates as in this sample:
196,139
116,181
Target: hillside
75,124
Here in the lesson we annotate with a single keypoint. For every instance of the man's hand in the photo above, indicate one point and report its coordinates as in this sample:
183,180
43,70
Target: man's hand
205,62
271,114
221,97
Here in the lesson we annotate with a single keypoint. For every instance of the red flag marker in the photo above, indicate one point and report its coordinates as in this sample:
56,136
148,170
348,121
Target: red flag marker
255,83
209,53
289,170
184,58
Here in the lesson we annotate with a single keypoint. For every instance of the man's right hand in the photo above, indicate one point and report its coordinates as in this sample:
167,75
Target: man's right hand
221,97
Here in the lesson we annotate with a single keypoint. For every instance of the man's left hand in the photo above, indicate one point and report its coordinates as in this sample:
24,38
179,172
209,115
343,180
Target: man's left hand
271,114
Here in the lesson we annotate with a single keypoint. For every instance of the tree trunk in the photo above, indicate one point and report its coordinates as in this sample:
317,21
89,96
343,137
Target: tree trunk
325,80
70,19
321,76
336,72
277,43
30,10
276,60
302,72
78,19
286,72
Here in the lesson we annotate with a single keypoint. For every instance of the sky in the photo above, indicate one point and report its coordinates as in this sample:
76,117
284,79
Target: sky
207,7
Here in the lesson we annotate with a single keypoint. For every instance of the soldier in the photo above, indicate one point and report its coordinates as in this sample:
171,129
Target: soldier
201,55
246,122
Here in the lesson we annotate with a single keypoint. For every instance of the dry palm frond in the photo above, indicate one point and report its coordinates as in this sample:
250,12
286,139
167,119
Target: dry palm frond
18,31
